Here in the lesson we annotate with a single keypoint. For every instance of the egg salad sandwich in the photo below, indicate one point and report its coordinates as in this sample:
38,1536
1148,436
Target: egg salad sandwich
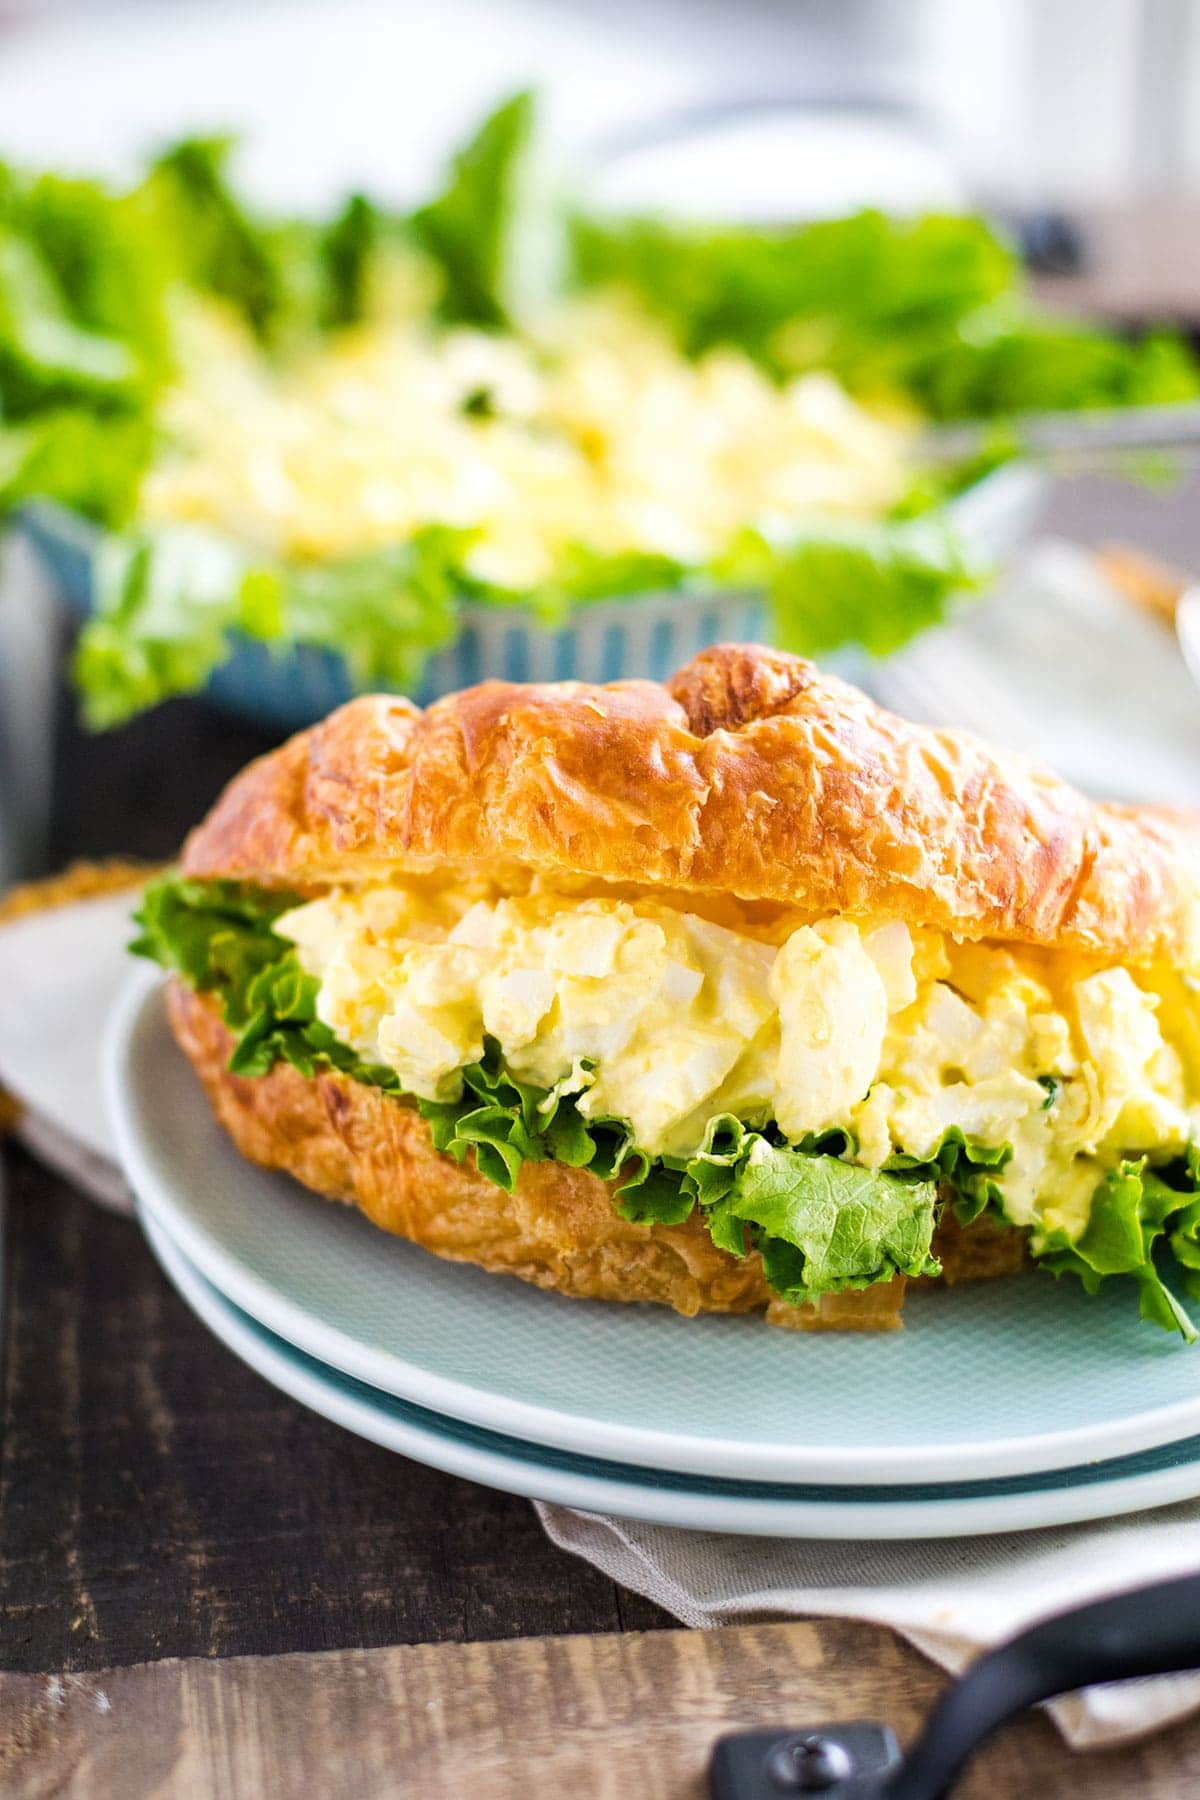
737,994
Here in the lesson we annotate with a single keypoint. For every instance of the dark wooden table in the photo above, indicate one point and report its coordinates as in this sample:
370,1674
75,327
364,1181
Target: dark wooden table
158,1500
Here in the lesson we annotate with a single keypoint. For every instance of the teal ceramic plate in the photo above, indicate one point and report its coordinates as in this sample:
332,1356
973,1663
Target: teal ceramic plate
997,1380
760,1509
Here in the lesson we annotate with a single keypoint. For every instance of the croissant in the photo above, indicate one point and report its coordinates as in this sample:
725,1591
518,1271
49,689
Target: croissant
735,994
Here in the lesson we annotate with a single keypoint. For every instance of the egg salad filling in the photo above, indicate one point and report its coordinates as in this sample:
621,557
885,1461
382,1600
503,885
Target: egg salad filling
597,431
819,1088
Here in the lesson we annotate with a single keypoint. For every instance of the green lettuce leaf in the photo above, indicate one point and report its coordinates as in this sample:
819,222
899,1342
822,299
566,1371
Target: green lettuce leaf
346,251
969,1170
876,586
384,611
83,345
492,231
932,309
48,356
1138,1215
218,937
163,607
170,603
223,250
78,458
823,1225
102,252
1006,361
584,576
1136,1211
81,317
850,289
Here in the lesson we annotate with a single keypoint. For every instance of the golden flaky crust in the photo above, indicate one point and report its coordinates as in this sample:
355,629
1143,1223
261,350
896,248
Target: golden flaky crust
749,773
558,1230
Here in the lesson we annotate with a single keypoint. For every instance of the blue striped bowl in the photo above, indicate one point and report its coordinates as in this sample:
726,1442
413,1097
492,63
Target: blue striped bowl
646,635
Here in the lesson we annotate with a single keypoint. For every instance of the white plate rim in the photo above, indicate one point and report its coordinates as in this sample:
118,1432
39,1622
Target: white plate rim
835,1519
534,1423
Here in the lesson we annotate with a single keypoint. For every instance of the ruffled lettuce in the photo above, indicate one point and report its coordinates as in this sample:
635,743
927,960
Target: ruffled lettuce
218,936
494,233
83,344
1137,1211
871,585
87,462
220,248
169,605
88,278
821,1225
932,310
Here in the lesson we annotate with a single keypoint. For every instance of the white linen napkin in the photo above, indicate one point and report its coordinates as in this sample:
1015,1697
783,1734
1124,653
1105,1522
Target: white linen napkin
1056,664
951,1597
954,1598
59,975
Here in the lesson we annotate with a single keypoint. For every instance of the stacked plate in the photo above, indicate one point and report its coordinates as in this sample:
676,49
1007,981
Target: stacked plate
1006,1406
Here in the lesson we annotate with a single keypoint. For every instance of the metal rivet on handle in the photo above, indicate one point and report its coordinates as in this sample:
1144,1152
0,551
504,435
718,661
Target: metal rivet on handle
807,1765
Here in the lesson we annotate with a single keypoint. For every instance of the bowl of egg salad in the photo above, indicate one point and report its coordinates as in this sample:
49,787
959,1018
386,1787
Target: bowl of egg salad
283,461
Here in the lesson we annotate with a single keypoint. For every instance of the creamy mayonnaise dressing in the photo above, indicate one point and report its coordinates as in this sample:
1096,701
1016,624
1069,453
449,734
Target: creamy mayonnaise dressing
658,1015
600,434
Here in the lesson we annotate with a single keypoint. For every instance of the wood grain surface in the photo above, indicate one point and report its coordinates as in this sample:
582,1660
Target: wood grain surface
157,1498
528,1720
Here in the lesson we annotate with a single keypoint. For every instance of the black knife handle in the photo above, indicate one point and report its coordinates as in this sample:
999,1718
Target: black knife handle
1151,1631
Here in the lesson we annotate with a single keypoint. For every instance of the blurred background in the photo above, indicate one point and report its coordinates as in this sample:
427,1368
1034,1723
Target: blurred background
1079,102
1074,123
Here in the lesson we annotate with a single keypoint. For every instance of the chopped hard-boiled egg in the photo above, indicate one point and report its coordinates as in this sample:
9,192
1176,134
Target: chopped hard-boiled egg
833,1011
654,1013
600,435
1135,1079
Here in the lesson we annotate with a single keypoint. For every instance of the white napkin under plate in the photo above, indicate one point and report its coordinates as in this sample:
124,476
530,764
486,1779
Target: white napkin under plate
60,971
1118,705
